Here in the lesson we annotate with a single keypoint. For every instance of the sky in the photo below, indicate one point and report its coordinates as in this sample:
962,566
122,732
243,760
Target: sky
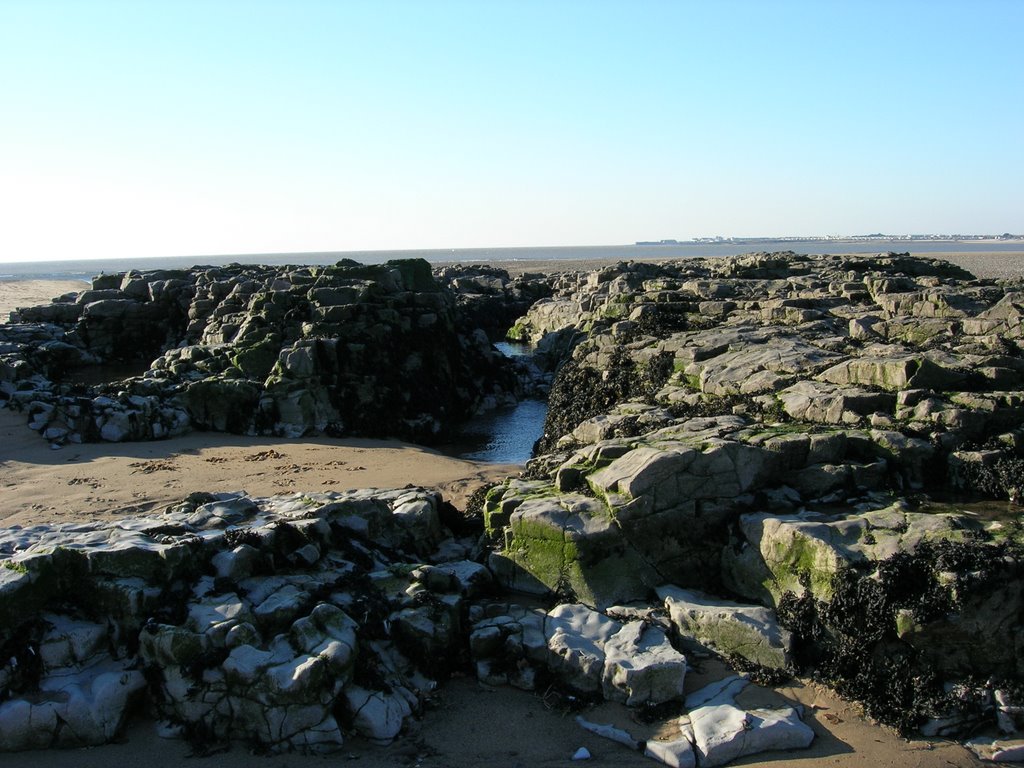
198,127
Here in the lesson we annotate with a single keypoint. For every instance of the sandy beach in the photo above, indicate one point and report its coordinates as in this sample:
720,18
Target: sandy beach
469,724
103,481
28,293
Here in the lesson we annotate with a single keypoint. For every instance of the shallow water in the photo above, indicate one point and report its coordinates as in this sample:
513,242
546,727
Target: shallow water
984,509
514,348
505,435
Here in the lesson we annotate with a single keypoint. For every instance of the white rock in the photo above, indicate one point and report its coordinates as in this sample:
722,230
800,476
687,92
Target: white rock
237,563
217,614
165,729
281,607
998,750
676,754
719,692
296,677
70,641
115,427
376,715
420,521
91,703
581,754
725,732
245,663
576,636
322,738
642,667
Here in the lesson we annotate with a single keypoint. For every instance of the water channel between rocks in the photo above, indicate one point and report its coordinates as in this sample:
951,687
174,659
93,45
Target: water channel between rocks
504,435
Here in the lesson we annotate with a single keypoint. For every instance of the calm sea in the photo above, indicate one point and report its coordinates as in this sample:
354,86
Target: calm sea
85,269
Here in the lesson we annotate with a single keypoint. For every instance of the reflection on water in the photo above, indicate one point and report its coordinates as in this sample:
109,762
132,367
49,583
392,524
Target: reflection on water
985,510
514,348
504,435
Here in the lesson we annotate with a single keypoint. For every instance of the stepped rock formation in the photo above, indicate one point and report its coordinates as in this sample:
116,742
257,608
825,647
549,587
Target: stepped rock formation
765,428
382,350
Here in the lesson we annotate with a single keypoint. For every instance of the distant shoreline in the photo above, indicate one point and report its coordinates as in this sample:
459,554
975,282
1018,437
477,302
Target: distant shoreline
531,258
29,291
743,241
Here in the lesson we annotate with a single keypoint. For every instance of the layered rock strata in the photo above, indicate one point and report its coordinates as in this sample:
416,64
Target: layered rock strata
768,428
382,350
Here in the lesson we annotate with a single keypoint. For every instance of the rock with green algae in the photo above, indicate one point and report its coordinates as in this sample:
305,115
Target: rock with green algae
749,631
803,552
659,505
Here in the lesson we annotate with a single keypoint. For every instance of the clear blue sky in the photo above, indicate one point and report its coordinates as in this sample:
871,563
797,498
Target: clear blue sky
151,128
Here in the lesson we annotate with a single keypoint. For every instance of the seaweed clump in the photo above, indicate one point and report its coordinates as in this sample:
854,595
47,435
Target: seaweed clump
1003,479
858,642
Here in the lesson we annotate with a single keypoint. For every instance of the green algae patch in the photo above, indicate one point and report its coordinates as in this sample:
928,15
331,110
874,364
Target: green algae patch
800,563
258,360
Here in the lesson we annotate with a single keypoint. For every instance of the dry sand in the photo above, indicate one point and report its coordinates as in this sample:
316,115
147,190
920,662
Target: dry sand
97,481
471,725
468,724
30,293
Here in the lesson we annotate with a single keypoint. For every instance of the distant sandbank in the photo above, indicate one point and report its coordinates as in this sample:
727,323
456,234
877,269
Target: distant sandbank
984,265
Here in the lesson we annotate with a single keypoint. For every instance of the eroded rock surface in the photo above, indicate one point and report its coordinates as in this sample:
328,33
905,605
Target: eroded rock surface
770,428
279,621
380,350
752,454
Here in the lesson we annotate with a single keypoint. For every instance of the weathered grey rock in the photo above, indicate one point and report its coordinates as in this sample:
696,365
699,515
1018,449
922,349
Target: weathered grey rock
997,750
827,404
642,667
894,373
750,361
750,631
74,708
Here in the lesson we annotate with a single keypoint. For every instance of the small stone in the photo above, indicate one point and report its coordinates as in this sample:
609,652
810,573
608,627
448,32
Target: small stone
581,754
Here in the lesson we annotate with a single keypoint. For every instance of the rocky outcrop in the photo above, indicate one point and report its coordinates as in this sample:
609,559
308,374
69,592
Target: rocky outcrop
281,621
294,623
764,428
744,456
488,298
381,350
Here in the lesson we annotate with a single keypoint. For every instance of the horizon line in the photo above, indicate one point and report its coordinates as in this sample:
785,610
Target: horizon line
708,240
